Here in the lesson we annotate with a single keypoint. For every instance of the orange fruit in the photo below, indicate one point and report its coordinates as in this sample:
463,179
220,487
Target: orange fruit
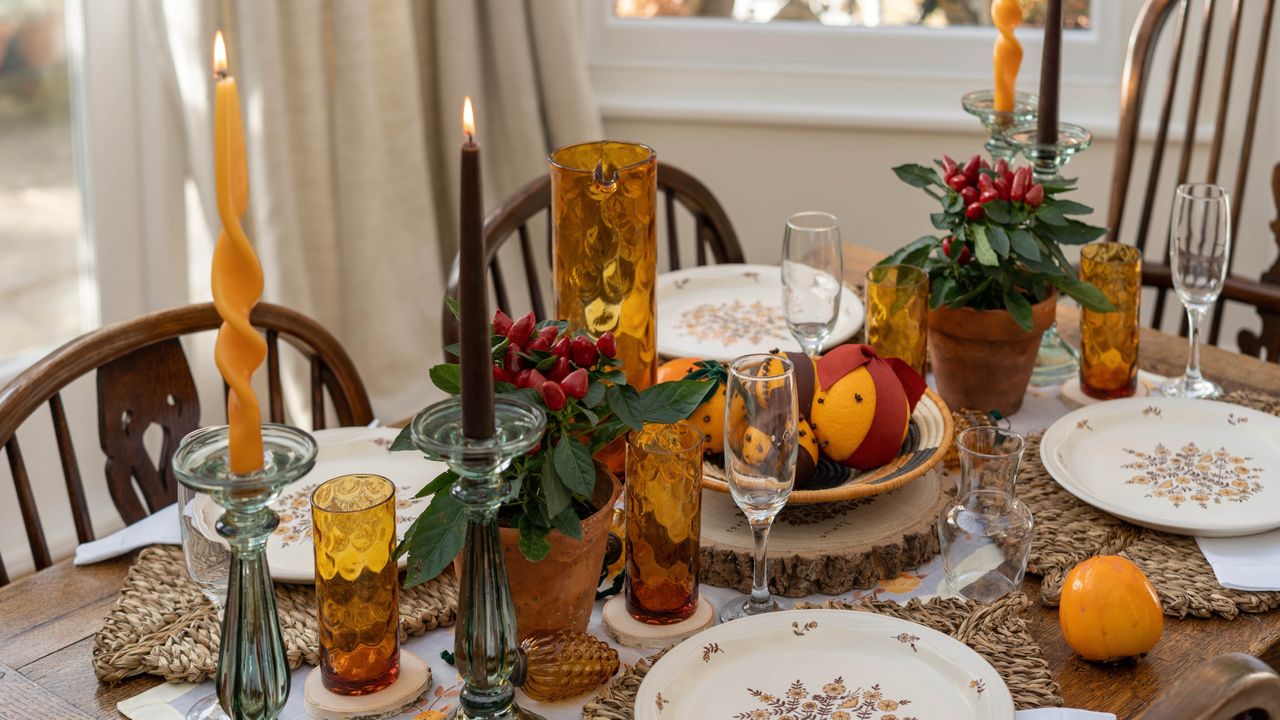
841,416
1109,610
676,369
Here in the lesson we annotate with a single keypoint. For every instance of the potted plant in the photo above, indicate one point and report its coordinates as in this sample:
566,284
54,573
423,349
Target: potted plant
555,522
995,272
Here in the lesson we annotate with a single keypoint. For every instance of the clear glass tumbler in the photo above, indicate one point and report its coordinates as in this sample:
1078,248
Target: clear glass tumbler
664,522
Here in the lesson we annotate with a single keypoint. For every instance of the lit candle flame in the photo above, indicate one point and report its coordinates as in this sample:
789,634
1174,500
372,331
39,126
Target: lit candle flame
219,55
468,119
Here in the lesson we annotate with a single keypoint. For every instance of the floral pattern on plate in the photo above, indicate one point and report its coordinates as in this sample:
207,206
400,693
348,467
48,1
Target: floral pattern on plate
730,322
835,701
1191,476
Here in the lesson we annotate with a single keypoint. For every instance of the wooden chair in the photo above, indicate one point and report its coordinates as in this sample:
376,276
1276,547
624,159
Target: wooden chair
1147,32
1228,687
713,235
142,379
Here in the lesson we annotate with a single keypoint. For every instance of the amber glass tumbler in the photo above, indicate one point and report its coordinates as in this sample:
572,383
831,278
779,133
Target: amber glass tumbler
1109,341
898,313
353,519
603,207
664,522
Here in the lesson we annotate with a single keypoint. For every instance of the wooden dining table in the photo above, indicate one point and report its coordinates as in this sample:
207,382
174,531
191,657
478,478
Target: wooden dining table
48,619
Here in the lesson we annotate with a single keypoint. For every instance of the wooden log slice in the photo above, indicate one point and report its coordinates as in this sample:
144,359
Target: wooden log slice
830,548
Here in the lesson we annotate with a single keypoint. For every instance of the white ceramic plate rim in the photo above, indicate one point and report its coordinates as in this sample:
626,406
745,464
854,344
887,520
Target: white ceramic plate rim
686,654
1059,432
844,330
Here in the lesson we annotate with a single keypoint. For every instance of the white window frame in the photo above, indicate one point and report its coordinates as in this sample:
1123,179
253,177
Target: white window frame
801,73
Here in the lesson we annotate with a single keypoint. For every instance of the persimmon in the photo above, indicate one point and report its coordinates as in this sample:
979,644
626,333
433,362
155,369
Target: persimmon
1109,610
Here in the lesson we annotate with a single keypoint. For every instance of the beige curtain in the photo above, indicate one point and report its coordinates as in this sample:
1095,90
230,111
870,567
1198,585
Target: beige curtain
353,121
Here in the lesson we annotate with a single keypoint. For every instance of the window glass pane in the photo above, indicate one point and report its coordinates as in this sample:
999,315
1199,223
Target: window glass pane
869,13
40,210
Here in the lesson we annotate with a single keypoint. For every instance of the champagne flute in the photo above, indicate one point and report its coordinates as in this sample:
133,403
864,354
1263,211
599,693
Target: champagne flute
208,559
812,277
760,417
1199,245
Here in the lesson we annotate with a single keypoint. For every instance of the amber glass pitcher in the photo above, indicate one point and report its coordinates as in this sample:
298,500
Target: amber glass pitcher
603,203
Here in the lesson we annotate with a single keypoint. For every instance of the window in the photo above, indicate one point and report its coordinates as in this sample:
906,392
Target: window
42,286
865,13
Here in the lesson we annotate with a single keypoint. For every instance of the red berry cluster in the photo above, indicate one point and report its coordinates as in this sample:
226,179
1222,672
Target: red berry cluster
978,184
567,375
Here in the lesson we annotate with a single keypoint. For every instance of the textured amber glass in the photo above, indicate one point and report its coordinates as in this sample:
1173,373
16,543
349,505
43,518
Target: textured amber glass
664,522
353,519
1109,341
606,254
898,312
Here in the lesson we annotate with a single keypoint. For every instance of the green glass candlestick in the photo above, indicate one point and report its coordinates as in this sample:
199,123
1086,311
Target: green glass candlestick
252,675
981,104
485,638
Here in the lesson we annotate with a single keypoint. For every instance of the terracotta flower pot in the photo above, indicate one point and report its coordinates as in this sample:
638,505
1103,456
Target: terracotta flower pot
560,591
982,359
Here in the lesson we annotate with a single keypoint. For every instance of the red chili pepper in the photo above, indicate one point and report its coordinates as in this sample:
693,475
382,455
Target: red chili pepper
969,195
1034,196
502,323
560,348
607,345
957,182
984,183
1002,187
511,361
1008,176
971,169
1002,167
948,166
540,344
965,256
946,246
583,352
536,379
988,195
575,384
549,332
500,374
983,164
559,369
521,331
553,395
522,378
974,212
1018,190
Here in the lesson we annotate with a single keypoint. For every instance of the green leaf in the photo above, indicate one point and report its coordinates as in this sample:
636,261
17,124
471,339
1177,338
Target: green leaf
1018,307
403,441
574,466
954,203
625,403
595,393
670,402
1051,215
533,540
1084,293
453,350
997,211
454,307
1060,185
999,240
447,377
917,175
554,493
616,377
567,522
1024,243
606,432
1073,232
443,481
920,246
1070,207
940,220
963,299
434,539
526,395
982,247
941,289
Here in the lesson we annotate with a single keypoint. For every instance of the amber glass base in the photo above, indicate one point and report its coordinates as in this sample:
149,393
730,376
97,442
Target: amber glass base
1123,391
678,601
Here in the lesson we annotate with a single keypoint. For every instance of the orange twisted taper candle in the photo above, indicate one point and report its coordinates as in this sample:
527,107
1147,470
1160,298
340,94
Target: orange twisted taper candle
1007,56
237,276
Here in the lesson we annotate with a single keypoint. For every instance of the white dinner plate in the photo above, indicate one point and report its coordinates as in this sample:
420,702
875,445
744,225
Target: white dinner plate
817,664
720,312
1191,467
342,451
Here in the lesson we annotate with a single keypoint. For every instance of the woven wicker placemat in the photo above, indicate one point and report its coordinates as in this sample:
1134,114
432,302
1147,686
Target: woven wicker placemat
996,631
1068,531
163,625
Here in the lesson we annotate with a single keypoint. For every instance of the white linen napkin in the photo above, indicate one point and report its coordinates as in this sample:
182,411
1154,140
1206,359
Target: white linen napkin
1249,563
158,528
1062,714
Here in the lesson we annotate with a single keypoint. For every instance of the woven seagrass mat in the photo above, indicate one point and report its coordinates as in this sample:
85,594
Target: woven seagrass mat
163,625
997,632
1068,531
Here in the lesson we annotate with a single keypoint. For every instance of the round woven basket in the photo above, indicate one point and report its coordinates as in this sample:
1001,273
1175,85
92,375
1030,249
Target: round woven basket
928,437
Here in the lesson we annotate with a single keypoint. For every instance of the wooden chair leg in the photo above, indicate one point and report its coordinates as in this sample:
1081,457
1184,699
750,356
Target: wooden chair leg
1226,687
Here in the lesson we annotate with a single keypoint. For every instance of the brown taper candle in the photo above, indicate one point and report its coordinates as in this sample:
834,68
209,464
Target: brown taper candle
1050,75
473,294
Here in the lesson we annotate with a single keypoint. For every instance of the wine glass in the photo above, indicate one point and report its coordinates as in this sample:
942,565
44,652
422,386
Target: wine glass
1199,245
760,417
208,559
812,277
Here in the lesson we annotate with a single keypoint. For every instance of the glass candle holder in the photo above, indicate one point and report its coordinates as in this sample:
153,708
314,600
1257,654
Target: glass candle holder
603,205
1109,341
353,521
898,313
664,522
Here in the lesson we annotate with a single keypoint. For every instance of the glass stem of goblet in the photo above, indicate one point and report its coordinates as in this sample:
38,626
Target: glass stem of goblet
1195,322
760,567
